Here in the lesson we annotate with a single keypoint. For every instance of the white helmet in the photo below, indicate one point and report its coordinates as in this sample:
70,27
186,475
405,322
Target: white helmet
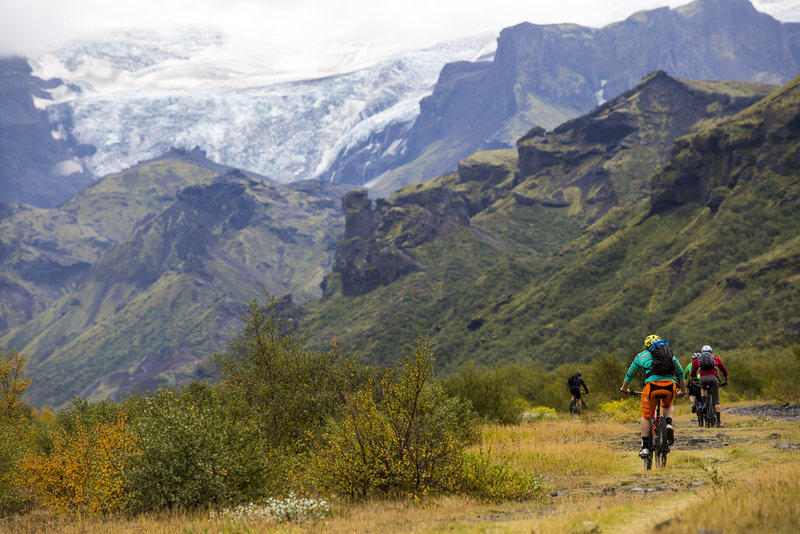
706,348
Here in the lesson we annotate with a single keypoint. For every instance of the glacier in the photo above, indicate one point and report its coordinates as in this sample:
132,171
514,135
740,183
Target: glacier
135,96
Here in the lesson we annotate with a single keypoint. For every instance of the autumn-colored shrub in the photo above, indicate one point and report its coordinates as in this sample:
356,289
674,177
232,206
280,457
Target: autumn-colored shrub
85,469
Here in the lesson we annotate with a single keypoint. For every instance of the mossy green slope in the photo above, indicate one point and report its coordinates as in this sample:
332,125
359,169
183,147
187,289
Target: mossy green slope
711,254
151,306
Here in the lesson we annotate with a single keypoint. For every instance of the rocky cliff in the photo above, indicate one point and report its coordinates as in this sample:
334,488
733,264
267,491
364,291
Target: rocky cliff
40,162
544,75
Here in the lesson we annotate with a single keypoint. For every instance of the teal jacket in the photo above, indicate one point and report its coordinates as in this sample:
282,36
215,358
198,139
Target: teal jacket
643,361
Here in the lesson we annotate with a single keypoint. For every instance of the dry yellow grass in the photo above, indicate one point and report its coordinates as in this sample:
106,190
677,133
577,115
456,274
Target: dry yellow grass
751,473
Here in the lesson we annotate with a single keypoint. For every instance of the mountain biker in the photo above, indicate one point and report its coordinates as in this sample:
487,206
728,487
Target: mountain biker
692,384
707,364
574,383
659,383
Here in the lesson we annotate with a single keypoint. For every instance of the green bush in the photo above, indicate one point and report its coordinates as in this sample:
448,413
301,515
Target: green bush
479,477
489,393
13,440
198,449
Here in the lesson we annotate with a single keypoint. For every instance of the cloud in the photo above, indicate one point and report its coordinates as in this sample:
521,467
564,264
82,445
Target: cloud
33,25
303,26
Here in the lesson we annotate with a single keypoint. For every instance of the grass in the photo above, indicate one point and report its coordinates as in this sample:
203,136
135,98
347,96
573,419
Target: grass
596,479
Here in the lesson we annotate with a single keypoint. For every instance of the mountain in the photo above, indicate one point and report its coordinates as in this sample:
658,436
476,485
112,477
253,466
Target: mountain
136,280
574,245
544,75
132,96
40,164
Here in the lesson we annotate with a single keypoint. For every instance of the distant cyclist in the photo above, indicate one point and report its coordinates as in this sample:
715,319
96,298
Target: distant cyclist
707,365
574,383
660,368
692,383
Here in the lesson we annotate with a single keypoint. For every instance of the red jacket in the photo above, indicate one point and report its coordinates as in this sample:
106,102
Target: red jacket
705,372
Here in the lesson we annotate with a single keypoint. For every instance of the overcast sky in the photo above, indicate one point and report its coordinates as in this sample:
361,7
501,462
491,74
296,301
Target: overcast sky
27,27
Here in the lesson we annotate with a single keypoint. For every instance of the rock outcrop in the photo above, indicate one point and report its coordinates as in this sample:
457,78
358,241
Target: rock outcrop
40,163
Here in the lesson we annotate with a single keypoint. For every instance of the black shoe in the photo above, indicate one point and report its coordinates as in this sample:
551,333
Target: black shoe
670,434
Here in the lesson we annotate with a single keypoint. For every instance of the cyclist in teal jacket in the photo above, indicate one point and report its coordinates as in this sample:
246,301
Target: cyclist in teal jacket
657,385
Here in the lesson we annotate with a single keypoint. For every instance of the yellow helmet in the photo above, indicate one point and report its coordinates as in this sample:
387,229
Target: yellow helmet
649,340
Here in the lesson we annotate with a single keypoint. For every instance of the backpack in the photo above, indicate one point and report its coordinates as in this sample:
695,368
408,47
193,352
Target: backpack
574,381
662,359
706,361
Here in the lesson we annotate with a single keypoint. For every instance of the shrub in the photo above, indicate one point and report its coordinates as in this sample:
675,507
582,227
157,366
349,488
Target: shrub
289,509
489,393
497,481
621,411
408,439
603,376
85,469
539,412
197,450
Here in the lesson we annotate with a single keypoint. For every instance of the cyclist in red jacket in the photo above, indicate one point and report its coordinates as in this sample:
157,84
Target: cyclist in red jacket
707,364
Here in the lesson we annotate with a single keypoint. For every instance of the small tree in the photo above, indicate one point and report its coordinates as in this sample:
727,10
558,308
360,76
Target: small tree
404,437
291,389
14,430
13,386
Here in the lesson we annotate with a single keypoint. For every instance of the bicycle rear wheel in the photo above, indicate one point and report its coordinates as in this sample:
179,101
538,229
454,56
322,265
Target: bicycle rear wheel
710,417
662,447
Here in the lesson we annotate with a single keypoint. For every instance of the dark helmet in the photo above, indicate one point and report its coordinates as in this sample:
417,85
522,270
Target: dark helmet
577,373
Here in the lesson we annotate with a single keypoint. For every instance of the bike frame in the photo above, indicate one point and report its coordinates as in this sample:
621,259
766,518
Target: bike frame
658,436
576,405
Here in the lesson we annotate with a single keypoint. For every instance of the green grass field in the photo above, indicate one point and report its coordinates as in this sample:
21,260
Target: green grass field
749,469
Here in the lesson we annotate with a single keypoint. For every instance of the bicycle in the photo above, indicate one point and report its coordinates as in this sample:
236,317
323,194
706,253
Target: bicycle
706,414
576,405
659,446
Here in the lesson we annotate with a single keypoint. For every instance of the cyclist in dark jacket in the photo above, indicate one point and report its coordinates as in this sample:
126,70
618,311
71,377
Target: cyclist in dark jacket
707,365
692,383
574,383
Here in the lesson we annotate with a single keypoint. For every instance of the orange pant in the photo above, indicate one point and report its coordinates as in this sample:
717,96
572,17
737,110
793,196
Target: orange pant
664,389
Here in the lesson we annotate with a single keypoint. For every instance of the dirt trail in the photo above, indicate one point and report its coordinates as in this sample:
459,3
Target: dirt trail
701,460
